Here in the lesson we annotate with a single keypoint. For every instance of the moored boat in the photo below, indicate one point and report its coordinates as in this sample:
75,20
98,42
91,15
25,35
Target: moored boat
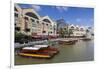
47,48
86,39
67,42
35,55
39,51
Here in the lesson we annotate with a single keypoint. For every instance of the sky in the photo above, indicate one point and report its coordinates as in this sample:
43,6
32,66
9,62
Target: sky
81,16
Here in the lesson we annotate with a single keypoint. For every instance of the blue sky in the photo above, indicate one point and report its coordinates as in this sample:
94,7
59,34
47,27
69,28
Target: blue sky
72,15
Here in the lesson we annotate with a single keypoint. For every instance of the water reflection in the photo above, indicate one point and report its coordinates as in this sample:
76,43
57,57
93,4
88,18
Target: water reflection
81,51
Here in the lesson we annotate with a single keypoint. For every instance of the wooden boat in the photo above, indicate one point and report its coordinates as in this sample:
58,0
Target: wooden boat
76,40
86,39
67,42
47,48
39,51
35,55
34,52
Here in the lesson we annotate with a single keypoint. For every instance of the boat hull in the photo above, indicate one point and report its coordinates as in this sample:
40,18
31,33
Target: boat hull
35,55
67,42
86,39
41,53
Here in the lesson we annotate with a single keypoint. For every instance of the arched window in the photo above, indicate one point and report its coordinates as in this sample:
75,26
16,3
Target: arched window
33,15
72,27
81,29
46,20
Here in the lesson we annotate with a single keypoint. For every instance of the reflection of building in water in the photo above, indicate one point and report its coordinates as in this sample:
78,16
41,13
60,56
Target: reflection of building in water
29,22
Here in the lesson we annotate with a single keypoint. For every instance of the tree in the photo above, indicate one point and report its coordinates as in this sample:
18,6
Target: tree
66,32
61,32
18,36
70,32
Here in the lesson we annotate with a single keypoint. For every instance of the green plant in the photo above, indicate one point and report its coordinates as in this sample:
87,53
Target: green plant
70,32
19,36
61,32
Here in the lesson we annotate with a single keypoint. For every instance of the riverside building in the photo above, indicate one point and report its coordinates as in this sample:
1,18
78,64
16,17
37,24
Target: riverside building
29,22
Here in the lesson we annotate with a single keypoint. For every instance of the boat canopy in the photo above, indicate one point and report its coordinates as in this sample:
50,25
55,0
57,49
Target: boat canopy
31,48
41,46
64,40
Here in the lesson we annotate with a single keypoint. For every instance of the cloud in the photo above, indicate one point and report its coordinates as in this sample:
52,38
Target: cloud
62,8
36,7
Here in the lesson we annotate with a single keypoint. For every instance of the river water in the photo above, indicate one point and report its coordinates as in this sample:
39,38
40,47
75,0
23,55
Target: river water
81,51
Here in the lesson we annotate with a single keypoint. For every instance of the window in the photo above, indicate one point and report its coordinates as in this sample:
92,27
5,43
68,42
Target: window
37,21
43,31
17,28
33,24
32,20
16,15
34,30
81,29
47,24
27,30
46,20
72,27
26,18
43,23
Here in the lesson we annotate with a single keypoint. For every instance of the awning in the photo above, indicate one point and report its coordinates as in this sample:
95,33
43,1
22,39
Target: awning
41,46
31,48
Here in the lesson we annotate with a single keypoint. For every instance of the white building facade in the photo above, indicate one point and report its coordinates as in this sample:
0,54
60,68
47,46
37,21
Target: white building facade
77,30
29,22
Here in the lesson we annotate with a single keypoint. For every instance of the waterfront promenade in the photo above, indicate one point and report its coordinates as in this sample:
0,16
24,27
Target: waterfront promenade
18,45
